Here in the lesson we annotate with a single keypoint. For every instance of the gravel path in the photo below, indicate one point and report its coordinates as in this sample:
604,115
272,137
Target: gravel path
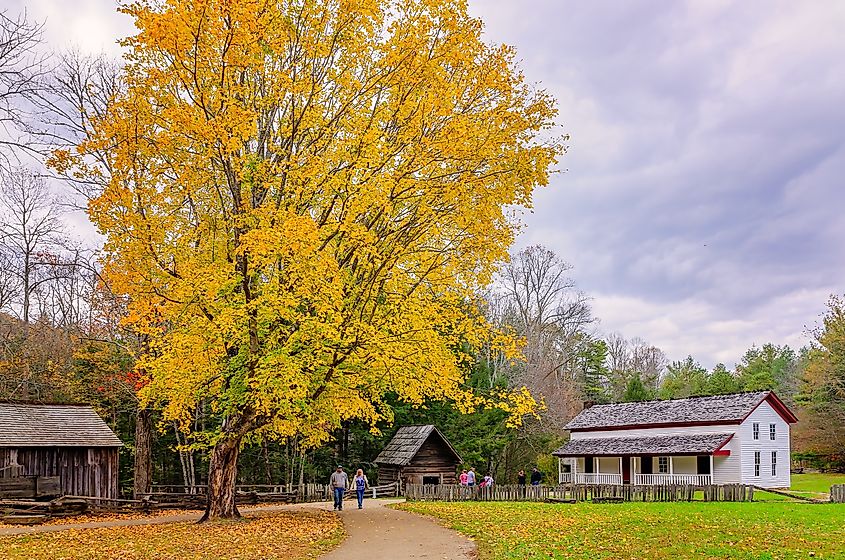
380,533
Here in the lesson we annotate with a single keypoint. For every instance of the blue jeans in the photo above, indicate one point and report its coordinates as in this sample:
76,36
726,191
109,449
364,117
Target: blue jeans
360,492
338,497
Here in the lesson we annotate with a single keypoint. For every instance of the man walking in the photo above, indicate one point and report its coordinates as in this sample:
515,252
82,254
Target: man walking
536,477
339,483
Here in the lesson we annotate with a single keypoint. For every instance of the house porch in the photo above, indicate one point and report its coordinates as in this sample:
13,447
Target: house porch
642,460
638,470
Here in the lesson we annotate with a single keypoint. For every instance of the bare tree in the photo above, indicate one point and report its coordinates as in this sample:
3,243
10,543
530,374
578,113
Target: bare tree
649,361
22,68
543,305
627,358
78,92
30,225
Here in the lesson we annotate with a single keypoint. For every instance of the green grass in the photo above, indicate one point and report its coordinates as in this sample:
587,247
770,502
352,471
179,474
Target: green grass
511,531
811,485
816,482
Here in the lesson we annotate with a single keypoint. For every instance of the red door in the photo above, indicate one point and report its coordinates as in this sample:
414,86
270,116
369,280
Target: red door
626,470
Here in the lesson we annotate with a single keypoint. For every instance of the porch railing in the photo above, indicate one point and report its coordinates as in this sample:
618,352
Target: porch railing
694,479
590,478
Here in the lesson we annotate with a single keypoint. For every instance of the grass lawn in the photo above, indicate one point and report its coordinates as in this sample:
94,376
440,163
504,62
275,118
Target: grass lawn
811,485
283,535
816,483
646,530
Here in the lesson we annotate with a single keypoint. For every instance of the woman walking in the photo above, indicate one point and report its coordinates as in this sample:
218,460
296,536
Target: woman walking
361,484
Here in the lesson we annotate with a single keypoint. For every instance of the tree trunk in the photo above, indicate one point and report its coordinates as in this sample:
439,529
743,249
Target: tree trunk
143,452
268,466
222,479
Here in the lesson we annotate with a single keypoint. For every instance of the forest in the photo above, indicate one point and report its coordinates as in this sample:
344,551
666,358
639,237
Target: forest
73,328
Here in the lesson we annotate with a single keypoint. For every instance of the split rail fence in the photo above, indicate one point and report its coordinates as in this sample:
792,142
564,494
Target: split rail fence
572,493
188,497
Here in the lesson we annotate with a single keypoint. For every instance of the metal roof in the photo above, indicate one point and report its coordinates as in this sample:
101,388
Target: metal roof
53,425
693,410
407,442
681,444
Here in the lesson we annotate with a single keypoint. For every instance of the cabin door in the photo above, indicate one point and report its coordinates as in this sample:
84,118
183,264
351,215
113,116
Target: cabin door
626,470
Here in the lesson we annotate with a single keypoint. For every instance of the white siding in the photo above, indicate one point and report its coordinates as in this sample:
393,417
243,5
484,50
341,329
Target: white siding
765,415
666,431
728,470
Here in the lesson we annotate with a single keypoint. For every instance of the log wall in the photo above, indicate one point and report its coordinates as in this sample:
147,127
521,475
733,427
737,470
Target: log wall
433,459
82,471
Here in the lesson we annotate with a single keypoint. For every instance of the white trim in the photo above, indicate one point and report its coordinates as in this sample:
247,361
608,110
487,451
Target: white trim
590,478
656,479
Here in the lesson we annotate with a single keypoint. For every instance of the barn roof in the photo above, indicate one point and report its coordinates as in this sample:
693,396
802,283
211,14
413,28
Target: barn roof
719,409
53,425
406,444
681,444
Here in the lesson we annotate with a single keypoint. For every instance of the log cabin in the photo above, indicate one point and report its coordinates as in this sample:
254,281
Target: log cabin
418,455
67,445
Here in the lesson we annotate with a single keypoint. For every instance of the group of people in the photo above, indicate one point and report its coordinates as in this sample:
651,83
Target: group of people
469,478
536,477
340,483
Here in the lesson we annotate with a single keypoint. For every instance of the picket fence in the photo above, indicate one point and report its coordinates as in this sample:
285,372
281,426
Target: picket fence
582,493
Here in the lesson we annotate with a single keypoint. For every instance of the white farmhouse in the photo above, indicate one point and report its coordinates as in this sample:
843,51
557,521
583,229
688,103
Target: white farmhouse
727,439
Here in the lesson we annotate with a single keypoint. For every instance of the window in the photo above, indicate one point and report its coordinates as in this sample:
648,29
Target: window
756,463
756,428
663,465
772,431
774,462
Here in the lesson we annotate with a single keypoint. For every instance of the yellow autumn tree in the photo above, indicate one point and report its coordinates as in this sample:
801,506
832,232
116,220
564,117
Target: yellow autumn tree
303,198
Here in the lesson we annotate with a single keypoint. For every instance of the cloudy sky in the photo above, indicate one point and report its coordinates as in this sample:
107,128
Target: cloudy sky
702,199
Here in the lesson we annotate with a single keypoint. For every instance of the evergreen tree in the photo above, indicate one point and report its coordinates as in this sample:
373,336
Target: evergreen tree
770,367
595,373
721,381
636,390
685,378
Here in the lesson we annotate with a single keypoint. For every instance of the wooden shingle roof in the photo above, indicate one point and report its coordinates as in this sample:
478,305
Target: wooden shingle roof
53,425
406,444
719,409
681,444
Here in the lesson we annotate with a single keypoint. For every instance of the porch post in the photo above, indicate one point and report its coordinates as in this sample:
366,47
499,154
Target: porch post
712,478
575,470
671,465
621,475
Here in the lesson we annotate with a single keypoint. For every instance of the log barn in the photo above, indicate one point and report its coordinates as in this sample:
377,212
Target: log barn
65,443
418,455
